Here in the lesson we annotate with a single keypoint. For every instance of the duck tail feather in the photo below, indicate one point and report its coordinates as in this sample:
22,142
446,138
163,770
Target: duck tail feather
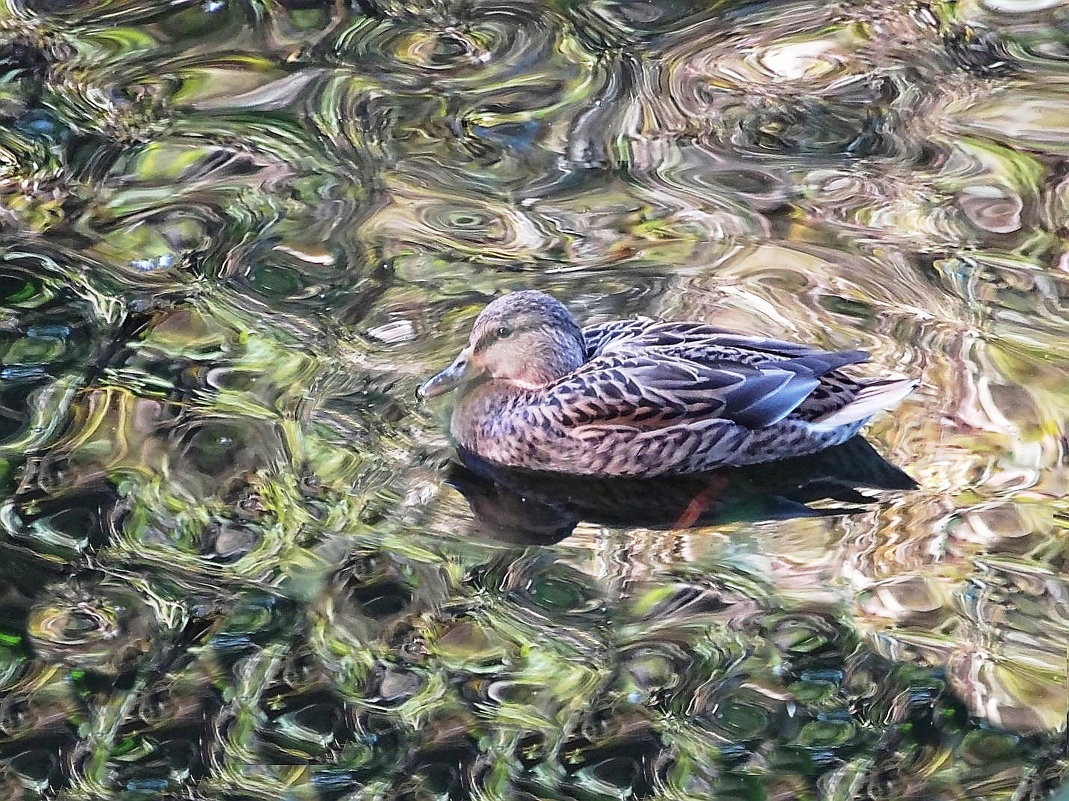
823,362
870,399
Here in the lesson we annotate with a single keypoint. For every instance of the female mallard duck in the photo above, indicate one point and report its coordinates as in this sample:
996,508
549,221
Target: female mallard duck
643,398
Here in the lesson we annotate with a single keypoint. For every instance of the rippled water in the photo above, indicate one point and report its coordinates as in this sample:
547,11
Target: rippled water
237,563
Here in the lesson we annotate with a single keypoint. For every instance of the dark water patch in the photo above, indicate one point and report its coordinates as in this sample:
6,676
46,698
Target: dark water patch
237,561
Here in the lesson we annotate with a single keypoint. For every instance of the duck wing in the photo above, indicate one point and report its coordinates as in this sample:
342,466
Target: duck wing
644,333
648,390
596,337
697,341
702,343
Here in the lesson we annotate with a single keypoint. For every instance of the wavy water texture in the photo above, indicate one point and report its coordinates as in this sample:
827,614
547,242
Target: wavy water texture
239,560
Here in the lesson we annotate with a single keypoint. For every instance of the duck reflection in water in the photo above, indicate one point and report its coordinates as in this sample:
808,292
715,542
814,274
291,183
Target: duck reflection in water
541,508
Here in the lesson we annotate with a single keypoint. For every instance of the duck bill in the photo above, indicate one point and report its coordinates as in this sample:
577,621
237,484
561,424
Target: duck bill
449,379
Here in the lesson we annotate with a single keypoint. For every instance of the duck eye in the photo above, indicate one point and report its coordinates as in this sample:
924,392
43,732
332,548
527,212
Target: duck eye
502,332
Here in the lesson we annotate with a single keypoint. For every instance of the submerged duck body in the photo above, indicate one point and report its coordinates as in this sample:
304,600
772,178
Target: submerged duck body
645,398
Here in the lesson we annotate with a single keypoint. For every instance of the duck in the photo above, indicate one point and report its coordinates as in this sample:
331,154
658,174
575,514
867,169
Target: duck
644,397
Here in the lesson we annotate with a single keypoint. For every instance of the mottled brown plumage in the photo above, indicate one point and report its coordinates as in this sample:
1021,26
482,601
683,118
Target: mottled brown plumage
645,398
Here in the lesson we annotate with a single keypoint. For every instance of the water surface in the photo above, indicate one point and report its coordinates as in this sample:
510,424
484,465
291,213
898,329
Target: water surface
237,563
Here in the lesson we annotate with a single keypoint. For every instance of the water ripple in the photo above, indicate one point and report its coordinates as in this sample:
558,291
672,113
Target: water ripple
241,559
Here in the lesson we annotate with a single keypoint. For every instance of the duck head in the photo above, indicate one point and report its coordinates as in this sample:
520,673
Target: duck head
527,339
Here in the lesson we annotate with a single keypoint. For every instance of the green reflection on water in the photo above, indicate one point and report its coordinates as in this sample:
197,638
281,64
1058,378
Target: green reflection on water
235,236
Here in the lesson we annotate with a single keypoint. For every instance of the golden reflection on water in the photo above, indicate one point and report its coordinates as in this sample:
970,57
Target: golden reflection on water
235,236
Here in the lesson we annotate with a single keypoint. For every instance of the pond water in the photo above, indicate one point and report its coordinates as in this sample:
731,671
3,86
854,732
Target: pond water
239,560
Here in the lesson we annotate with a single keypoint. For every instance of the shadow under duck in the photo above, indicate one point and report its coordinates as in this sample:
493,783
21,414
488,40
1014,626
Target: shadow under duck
645,398
529,507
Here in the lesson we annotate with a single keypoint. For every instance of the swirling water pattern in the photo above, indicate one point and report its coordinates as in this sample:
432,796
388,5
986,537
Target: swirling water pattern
234,236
